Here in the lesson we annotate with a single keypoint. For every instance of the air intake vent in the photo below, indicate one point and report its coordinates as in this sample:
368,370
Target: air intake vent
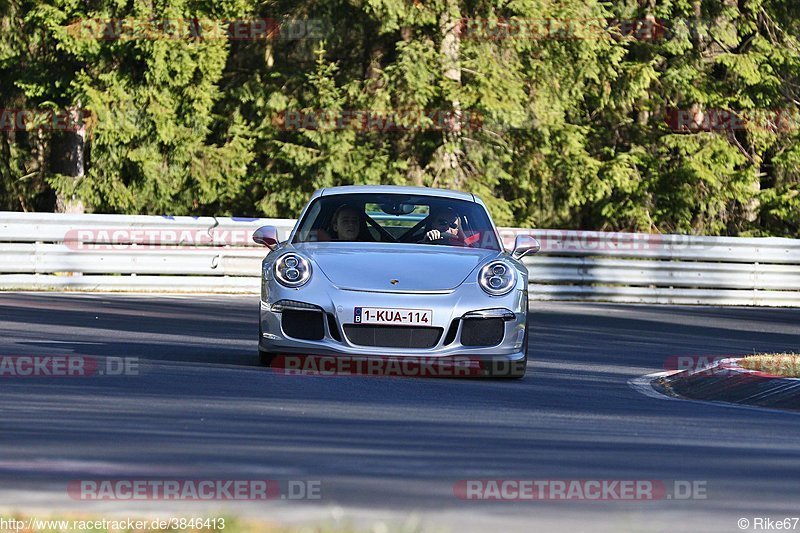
393,336
333,328
451,332
482,331
305,325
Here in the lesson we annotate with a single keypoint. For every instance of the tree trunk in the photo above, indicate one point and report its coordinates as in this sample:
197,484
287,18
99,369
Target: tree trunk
69,160
446,161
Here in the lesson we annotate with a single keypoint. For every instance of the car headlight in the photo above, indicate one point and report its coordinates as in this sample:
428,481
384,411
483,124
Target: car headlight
497,278
292,270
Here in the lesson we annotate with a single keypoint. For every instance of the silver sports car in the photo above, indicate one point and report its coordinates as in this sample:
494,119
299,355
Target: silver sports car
397,272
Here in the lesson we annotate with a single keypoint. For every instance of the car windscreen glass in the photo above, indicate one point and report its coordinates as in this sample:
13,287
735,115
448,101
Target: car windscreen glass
397,218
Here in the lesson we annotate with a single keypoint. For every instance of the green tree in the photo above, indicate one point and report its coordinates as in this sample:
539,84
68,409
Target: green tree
559,114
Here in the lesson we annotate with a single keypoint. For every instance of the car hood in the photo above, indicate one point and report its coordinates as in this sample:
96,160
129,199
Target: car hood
416,267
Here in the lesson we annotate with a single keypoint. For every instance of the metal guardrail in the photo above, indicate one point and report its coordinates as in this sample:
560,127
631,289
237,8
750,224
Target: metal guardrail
207,254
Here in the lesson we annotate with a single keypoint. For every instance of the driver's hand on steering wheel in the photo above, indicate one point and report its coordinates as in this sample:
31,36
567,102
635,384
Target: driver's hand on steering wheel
434,234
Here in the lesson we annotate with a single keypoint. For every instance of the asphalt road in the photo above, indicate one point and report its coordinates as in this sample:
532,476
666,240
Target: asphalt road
384,448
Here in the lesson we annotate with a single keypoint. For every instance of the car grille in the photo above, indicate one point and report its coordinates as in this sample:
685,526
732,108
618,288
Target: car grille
393,336
482,331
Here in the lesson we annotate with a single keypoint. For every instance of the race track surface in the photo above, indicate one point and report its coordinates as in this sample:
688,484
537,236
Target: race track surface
381,447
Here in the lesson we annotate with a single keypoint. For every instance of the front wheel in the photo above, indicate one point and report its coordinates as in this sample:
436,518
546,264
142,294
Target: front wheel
504,369
265,358
513,370
521,366
524,362
518,372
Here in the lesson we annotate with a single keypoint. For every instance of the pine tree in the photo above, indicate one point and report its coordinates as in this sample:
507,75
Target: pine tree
559,114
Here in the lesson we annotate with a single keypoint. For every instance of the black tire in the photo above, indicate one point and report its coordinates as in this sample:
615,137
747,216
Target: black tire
265,358
519,371
507,369
524,362
525,349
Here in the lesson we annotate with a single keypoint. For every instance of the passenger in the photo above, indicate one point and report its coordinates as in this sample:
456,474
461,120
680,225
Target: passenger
346,223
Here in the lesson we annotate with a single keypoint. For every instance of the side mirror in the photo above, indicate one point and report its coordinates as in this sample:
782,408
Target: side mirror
266,235
524,245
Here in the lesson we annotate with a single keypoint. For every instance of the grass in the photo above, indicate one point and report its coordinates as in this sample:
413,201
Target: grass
778,364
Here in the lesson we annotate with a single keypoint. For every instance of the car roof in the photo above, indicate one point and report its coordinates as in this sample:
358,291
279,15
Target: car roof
396,189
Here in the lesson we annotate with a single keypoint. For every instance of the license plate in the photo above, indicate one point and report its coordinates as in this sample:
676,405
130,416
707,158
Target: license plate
383,315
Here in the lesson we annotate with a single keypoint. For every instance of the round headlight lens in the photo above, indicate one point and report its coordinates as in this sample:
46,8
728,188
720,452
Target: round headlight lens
497,278
292,270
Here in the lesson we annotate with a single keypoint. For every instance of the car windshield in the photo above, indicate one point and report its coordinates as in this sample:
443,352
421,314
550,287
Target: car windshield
397,218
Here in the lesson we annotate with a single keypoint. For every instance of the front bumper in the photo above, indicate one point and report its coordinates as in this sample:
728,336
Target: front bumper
448,308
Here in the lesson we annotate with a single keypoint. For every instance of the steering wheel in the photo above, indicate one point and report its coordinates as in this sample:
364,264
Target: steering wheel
449,239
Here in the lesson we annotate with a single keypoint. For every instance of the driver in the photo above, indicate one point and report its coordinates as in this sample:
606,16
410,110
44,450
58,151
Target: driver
444,224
